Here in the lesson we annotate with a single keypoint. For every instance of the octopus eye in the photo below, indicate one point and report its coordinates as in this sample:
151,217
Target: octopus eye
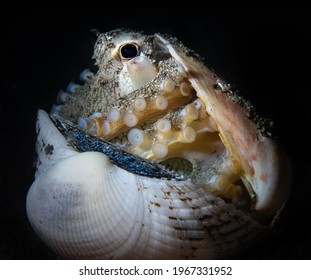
129,51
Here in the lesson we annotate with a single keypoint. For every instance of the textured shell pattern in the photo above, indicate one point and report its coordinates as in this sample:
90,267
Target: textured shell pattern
154,156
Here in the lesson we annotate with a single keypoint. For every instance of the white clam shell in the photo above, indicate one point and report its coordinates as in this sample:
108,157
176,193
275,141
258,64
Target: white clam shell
84,207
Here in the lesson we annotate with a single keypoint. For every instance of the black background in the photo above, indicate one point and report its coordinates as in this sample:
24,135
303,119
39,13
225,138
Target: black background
264,52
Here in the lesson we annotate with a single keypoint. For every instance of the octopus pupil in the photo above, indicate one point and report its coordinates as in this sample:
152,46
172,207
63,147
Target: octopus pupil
129,51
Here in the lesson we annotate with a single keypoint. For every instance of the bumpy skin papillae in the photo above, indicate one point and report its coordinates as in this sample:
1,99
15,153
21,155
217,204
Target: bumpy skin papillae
169,105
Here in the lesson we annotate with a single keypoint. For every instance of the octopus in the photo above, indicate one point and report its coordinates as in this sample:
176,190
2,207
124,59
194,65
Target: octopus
154,156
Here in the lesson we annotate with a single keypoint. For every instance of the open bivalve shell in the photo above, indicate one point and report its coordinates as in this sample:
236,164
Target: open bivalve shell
154,157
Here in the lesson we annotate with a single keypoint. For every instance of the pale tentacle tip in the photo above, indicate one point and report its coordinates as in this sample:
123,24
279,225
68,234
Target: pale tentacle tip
62,96
72,87
130,119
140,103
56,109
164,125
168,85
161,102
160,150
86,75
113,115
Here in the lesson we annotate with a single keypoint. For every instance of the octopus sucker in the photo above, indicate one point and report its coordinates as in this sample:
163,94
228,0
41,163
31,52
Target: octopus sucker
154,156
